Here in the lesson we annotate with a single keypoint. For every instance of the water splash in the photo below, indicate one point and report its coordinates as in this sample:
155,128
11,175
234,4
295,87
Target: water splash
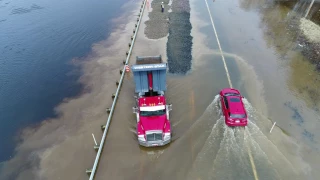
154,155
251,111
225,156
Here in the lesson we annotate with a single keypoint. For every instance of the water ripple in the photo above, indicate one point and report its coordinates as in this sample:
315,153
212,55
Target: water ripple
26,10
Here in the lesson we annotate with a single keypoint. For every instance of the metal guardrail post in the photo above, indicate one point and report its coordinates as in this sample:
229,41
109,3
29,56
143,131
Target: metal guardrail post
272,126
95,165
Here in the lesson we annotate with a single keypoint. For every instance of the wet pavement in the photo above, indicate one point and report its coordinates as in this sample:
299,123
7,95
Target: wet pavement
263,62
261,66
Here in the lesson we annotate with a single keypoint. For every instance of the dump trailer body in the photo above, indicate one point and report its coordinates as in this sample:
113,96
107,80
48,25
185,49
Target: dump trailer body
142,79
152,112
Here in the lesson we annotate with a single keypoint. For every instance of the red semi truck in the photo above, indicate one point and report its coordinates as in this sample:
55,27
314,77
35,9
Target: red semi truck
152,110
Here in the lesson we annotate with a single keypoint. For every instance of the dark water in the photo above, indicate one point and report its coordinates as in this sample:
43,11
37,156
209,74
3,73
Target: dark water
38,39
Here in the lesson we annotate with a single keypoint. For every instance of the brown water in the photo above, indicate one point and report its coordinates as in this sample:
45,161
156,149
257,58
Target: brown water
203,147
279,85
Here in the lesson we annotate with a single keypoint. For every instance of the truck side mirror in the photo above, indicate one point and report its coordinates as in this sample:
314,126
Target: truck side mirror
169,106
135,110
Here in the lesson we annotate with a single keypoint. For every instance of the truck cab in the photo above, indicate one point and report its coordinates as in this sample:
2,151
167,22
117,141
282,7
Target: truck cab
152,110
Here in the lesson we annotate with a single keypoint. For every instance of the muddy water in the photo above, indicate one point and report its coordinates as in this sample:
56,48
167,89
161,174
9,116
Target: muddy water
261,65
190,98
261,61
281,85
62,148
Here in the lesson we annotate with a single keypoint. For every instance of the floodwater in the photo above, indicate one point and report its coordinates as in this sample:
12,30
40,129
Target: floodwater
261,58
38,41
42,44
263,62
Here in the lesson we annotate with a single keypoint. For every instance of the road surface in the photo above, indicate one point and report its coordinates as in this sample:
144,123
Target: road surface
203,147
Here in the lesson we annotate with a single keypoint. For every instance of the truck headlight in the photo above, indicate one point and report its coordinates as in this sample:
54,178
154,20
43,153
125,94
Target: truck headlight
141,138
167,136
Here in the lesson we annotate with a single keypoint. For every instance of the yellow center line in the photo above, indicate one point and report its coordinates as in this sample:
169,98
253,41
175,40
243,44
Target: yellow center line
251,160
230,84
141,169
192,112
216,34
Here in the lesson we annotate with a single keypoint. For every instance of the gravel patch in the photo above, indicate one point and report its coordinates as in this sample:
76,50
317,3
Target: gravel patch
310,50
158,23
309,41
310,30
175,21
179,45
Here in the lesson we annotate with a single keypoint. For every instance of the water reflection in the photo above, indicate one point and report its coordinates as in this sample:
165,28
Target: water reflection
305,80
249,5
280,25
290,77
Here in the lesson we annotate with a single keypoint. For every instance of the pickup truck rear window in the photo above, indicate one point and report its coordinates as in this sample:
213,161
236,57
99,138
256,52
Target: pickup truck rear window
234,100
237,115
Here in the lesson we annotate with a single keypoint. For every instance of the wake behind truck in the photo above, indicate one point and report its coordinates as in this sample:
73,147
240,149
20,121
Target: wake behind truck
152,110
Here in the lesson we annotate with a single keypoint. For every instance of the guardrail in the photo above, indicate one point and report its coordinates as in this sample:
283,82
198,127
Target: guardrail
101,145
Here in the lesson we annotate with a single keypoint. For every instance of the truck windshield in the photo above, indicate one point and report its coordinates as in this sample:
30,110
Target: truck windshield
153,113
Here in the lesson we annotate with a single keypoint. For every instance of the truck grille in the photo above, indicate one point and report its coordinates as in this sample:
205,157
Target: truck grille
154,137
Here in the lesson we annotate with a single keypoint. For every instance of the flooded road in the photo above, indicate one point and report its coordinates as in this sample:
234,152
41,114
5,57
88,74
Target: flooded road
262,62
